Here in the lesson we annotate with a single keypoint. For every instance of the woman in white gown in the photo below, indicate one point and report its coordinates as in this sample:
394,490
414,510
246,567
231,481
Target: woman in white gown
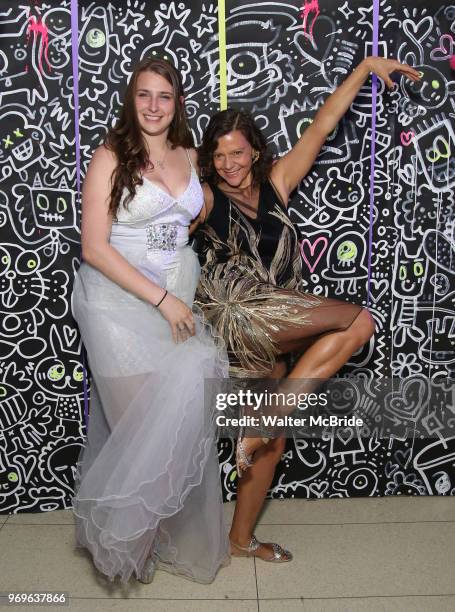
147,490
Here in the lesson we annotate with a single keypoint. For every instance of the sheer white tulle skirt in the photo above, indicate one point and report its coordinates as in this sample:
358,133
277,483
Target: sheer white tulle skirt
147,480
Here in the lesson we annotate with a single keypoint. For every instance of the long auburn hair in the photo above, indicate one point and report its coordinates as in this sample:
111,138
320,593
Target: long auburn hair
222,123
126,141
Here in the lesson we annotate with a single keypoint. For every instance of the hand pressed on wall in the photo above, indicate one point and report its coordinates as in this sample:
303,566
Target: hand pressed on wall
383,67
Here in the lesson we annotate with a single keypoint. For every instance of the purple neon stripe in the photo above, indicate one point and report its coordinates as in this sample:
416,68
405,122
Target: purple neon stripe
374,92
75,64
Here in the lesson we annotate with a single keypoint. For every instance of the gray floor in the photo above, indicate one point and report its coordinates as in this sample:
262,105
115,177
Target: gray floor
350,555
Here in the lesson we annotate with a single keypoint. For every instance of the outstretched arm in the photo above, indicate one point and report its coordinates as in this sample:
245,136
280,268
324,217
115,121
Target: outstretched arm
287,173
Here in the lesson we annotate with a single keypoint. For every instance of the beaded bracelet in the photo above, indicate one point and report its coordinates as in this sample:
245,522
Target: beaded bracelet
165,294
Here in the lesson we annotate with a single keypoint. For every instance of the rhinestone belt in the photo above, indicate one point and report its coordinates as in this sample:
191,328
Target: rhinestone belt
161,237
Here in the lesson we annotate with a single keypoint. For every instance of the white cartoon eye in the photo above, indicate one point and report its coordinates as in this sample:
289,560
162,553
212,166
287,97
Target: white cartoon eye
42,201
27,262
245,64
56,372
78,373
418,268
346,251
5,261
95,38
20,54
61,205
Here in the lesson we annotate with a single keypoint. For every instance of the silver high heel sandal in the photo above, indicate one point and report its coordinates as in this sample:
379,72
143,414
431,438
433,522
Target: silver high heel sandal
279,555
148,571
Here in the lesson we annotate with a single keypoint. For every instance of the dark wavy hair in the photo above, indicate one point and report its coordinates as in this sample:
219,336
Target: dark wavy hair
126,141
221,124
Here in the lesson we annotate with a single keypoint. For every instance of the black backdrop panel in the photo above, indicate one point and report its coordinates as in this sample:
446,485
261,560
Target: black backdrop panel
283,62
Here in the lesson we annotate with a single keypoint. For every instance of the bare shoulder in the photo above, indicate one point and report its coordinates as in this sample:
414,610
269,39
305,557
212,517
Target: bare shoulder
97,182
103,158
102,163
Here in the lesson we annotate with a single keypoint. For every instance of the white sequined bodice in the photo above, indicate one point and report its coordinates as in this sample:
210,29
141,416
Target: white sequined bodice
152,231
151,204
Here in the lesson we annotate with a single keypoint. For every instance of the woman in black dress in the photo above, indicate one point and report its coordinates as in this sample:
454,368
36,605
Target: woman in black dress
251,282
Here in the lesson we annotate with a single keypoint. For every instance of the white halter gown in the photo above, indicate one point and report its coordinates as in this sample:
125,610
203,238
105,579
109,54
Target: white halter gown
147,480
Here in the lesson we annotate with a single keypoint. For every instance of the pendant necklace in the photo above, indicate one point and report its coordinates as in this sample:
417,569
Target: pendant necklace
160,163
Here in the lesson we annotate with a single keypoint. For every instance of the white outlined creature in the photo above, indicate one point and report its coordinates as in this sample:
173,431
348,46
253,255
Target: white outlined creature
257,73
409,276
21,143
346,262
60,375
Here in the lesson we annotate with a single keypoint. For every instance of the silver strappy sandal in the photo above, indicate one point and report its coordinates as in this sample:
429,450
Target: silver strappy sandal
280,555
242,460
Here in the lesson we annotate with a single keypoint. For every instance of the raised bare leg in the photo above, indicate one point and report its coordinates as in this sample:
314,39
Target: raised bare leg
328,353
323,358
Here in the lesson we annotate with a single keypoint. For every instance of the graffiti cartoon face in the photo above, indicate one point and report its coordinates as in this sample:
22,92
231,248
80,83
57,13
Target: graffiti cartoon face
434,147
346,257
20,144
10,480
340,192
441,284
255,71
410,273
346,253
54,377
61,373
443,483
22,287
431,91
243,69
58,21
57,53
53,208
344,396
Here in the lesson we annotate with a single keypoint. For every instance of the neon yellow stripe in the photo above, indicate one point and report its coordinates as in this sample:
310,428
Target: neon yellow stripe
222,53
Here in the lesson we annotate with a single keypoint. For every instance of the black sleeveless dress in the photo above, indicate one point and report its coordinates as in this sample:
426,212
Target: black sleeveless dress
251,289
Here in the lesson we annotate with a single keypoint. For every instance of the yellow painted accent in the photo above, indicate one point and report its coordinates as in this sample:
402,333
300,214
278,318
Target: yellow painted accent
222,53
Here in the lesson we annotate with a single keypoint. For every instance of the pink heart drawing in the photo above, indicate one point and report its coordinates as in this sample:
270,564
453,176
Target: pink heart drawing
445,49
406,138
312,249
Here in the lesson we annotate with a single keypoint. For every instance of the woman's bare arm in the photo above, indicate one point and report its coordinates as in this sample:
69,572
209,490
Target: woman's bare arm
96,229
289,170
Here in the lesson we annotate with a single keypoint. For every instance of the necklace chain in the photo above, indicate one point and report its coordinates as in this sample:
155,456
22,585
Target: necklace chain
159,162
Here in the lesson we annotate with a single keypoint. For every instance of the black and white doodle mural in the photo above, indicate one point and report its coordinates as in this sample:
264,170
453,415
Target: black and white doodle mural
394,252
